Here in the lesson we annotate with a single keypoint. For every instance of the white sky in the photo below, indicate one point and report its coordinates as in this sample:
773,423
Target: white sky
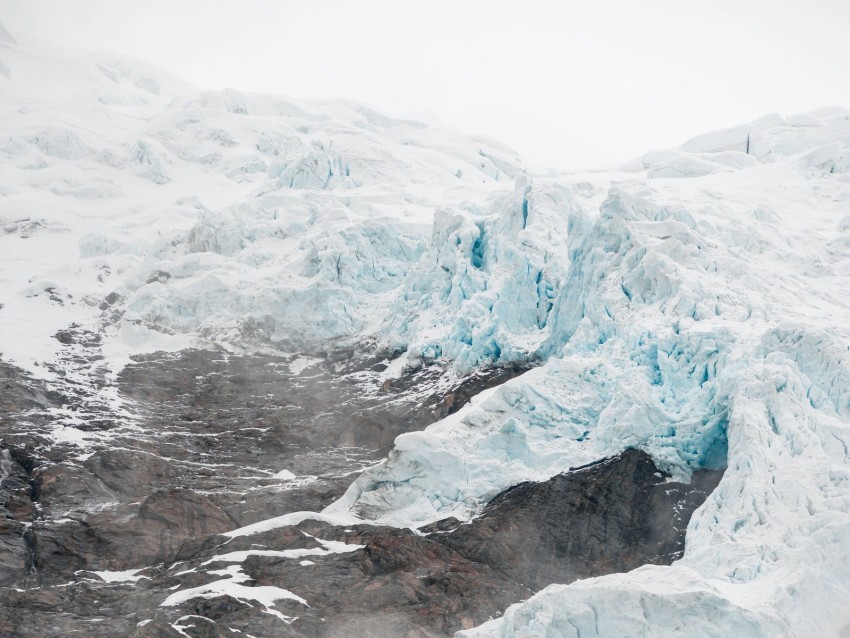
568,84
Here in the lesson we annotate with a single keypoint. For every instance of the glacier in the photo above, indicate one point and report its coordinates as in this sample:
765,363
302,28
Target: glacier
704,322
692,303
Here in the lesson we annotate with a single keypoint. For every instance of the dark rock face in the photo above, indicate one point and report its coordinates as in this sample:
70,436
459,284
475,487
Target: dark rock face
17,510
167,518
610,517
613,516
205,442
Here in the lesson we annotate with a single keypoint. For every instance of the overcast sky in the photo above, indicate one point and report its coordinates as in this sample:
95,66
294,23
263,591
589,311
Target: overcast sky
568,84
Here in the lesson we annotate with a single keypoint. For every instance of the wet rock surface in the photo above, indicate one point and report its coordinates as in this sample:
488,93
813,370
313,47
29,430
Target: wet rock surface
612,516
117,495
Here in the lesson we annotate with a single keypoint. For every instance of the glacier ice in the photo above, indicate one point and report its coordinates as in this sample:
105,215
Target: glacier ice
483,290
648,601
704,324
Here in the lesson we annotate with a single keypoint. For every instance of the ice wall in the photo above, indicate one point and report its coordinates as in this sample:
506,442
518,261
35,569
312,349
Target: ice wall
483,291
705,321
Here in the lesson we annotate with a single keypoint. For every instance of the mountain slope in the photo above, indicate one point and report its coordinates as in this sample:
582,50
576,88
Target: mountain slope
692,304
210,215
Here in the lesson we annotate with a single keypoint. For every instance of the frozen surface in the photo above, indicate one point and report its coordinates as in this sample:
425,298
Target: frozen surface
293,518
327,547
693,304
265,595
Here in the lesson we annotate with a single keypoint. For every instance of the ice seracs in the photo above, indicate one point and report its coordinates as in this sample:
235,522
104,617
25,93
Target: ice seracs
483,290
705,321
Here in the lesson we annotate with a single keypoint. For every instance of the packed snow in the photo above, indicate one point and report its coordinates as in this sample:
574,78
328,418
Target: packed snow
126,576
265,595
326,547
692,303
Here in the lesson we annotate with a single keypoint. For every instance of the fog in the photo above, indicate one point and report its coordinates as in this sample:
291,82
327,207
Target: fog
568,84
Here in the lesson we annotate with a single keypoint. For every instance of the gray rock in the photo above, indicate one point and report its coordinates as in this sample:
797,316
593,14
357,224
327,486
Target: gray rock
203,453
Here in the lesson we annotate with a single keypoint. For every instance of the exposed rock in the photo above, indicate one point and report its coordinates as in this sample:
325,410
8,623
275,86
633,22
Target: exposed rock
610,517
167,518
98,529
129,472
156,629
17,513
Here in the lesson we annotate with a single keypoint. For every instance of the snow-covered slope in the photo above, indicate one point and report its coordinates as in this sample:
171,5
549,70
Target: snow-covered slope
693,303
169,216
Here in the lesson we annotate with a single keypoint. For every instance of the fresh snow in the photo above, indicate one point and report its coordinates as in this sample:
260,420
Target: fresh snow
293,518
265,595
172,217
126,576
692,303
327,547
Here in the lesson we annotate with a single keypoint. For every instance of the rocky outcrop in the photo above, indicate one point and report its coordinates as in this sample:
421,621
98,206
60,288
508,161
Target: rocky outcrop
613,516
610,517
99,534
17,511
